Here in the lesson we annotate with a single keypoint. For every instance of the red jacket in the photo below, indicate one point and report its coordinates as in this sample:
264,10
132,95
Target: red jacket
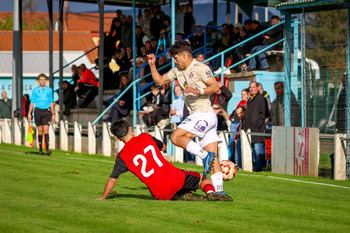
89,78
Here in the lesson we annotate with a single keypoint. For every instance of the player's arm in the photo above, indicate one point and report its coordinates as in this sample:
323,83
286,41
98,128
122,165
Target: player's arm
161,146
108,188
158,79
52,107
212,87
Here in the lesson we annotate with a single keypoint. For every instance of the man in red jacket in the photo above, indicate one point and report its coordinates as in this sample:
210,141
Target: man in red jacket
88,83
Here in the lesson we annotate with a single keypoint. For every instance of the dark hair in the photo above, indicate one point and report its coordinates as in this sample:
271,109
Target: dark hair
179,47
275,17
246,90
138,27
66,82
242,107
248,21
256,22
120,128
279,82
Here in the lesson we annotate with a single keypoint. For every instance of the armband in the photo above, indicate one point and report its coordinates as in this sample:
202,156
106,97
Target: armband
201,91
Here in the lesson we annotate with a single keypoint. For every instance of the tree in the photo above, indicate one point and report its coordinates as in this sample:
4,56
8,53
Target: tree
31,5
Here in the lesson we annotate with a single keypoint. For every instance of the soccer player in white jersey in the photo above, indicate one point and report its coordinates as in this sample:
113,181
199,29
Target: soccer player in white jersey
197,83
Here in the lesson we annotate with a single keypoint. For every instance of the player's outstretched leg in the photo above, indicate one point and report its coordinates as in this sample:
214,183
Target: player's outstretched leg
208,162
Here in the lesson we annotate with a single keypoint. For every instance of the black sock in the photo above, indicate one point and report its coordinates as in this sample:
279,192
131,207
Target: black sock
40,139
47,141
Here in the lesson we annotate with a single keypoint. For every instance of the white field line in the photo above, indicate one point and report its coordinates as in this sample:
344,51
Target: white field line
294,180
261,176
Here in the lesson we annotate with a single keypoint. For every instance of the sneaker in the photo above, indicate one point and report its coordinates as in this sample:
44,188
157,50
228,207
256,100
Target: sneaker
208,162
219,196
218,71
40,153
244,68
48,152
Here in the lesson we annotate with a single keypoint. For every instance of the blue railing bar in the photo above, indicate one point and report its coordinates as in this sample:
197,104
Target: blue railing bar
245,41
253,55
146,94
75,60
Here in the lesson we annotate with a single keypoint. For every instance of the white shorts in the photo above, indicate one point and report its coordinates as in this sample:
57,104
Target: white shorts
203,125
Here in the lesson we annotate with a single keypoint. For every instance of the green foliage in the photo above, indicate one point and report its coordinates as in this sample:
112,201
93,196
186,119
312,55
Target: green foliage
37,24
327,37
6,24
56,194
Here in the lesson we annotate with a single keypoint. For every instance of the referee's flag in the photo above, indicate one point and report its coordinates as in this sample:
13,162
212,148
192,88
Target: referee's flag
30,134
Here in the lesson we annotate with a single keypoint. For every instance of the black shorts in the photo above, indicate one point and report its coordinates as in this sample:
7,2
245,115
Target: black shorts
191,183
42,116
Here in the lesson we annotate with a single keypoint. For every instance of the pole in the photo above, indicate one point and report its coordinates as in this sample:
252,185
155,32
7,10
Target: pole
49,6
60,57
134,59
287,70
303,72
348,100
101,57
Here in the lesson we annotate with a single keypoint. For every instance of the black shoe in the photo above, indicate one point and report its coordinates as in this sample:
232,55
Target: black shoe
40,153
108,119
82,106
48,152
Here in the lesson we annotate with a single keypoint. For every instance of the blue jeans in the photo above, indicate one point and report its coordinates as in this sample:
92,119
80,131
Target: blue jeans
260,57
238,157
258,153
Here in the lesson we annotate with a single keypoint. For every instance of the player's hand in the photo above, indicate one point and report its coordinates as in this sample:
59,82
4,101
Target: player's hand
192,90
151,59
29,117
53,118
172,112
121,103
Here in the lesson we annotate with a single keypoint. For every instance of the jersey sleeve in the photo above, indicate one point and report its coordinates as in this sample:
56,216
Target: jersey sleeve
33,97
120,167
51,96
172,74
206,73
158,142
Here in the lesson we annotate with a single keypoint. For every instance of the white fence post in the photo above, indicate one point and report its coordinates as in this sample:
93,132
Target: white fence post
179,154
63,135
246,151
158,133
17,131
222,150
138,130
25,124
1,130
77,137
7,137
91,139
106,140
339,169
52,135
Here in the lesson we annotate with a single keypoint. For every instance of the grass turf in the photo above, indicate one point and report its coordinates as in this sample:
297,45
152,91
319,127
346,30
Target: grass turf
56,194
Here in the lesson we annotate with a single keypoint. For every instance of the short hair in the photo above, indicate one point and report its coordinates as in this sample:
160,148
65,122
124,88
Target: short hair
275,17
279,82
179,47
120,128
198,54
242,107
66,82
248,21
41,75
256,22
256,83
138,27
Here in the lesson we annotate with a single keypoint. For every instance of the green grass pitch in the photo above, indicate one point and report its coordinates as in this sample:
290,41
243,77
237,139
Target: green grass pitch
56,194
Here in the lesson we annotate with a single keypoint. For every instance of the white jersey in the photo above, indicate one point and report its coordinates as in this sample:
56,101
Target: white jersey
195,76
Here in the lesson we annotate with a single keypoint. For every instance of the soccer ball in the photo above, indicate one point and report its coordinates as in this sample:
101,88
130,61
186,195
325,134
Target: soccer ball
228,169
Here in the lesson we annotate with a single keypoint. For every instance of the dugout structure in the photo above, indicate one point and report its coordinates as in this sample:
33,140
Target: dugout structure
311,96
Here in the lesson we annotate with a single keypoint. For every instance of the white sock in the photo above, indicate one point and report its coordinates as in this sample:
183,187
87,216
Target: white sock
195,149
217,181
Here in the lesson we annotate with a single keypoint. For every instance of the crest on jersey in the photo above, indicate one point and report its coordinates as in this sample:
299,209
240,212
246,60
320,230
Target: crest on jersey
209,73
191,75
201,125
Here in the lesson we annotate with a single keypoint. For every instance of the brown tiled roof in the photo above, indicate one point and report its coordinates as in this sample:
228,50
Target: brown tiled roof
39,41
71,21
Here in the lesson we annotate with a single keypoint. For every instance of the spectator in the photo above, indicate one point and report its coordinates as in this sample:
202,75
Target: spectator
129,53
141,39
221,97
247,27
123,62
189,21
156,22
177,107
222,117
277,107
5,106
200,58
267,97
124,81
150,111
245,96
126,37
198,38
69,96
269,38
42,100
256,113
124,105
88,84
26,96
179,22
110,81
146,22
240,113
148,47
116,30
163,111
75,75
162,61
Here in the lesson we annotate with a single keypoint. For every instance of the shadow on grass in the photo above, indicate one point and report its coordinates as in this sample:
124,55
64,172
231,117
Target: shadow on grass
138,196
33,153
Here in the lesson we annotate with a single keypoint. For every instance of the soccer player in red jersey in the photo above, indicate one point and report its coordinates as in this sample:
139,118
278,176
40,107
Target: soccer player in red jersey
141,155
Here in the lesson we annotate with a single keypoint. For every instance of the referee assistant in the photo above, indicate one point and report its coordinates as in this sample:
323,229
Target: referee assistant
42,99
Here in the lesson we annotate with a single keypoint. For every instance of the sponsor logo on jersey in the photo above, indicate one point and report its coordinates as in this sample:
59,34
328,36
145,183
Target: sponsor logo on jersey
185,84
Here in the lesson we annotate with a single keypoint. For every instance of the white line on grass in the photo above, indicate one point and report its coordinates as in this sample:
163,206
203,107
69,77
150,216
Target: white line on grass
262,176
294,180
